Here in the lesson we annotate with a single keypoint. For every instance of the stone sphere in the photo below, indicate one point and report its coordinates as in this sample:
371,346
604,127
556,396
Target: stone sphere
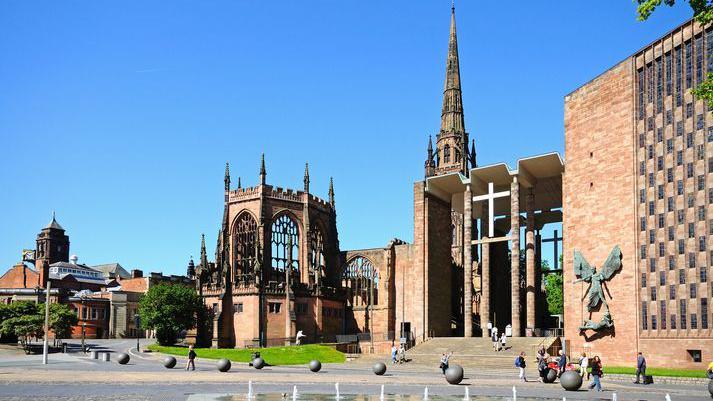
169,362
315,365
123,358
454,374
379,368
224,365
710,387
571,380
258,363
550,376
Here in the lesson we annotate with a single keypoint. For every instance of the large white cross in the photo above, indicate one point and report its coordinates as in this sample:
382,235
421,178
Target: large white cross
490,197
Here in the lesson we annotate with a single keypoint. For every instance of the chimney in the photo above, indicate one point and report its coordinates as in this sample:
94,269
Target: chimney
136,273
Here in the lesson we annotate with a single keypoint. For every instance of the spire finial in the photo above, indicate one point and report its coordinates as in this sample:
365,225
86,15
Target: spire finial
239,185
331,191
204,254
306,177
262,169
227,176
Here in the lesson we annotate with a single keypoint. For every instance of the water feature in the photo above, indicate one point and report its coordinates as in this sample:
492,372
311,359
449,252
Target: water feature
613,397
336,388
514,393
294,393
250,390
381,397
467,394
425,393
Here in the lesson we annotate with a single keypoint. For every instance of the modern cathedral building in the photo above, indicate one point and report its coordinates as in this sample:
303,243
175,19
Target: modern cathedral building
639,164
633,202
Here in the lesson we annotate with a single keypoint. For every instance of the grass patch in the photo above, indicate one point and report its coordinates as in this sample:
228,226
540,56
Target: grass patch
294,355
657,372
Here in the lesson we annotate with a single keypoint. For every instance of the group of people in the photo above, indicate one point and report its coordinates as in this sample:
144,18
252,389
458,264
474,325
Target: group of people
585,368
499,343
398,355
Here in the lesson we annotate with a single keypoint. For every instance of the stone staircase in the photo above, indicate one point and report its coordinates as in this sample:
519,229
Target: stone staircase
478,352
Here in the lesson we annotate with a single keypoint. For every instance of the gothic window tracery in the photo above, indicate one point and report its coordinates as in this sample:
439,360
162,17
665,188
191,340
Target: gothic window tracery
284,231
244,242
316,261
362,279
446,154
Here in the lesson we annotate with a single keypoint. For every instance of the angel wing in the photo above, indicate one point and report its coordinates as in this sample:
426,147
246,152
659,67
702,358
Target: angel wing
612,264
582,269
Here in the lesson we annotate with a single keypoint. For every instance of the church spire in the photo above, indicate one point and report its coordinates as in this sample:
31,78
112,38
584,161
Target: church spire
227,176
452,140
331,192
204,255
430,164
262,169
306,178
239,185
473,160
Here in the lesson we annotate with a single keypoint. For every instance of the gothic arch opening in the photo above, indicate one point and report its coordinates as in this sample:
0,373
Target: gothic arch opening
284,243
361,279
317,262
244,245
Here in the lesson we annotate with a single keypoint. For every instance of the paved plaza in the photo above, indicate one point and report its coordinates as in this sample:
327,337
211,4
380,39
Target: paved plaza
74,376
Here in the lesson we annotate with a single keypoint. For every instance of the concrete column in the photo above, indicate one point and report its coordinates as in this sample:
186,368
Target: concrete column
467,262
530,259
515,255
485,288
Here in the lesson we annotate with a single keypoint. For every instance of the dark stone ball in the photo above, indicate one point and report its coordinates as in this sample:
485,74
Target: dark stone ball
550,376
454,374
710,387
169,362
123,358
258,363
379,368
315,365
224,365
571,380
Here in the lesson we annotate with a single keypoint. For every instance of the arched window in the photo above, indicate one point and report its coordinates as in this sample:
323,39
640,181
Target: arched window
446,154
244,252
362,279
316,260
457,156
284,230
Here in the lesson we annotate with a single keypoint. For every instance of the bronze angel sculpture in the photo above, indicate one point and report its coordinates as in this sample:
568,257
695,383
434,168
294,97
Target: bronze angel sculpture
595,294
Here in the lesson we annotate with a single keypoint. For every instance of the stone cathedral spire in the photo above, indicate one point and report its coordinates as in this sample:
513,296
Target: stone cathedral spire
452,139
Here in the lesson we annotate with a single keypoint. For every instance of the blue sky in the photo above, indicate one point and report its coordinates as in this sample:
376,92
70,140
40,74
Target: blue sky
120,116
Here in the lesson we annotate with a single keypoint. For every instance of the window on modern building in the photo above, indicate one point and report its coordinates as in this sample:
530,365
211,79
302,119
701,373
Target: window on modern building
681,247
650,123
671,291
681,276
643,223
701,182
671,262
710,195
688,62
679,128
660,191
642,168
701,152
694,321
652,264
643,280
643,251
689,139
652,236
691,260
702,243
693,290
703,274
669,174
704,313
700,121
659,134
670,233
679,158
691,200
662,251
661,220
662,313
669,117
641,87
651,151
710,165
644,315
673,322
689,170
691,230
642,195
679,187
701,213
680,216
651,208
682,312
653,292
710,129
653,323
662,278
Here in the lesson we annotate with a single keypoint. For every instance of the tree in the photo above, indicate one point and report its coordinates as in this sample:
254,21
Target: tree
703,14
24,327
555,296
62,318
169,309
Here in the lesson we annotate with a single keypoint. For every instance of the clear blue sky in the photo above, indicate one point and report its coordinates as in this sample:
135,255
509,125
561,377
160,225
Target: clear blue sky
120,116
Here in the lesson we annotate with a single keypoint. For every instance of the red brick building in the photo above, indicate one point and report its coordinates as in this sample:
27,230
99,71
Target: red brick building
639,162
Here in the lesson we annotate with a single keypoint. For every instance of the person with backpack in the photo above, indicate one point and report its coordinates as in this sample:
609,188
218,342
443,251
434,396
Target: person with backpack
520,364
393,352
640,368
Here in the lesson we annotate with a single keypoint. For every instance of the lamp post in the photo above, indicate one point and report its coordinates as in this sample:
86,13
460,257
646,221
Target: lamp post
45,345
82,297
137,323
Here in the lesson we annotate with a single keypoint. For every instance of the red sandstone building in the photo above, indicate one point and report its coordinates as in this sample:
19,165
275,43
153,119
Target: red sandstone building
639,165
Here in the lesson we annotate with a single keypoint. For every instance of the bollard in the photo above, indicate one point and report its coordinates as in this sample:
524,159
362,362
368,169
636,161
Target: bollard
106,357
94,354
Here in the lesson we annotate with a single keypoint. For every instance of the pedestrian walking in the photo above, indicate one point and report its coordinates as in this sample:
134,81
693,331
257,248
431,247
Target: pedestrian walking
583,364
495,338
640,368
542,366
191,358
521,364
402,353
562,363
596,374
393,353
541,353
503,341
709,372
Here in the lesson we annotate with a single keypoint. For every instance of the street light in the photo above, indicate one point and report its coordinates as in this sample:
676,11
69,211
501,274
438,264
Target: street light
84,326
137,323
